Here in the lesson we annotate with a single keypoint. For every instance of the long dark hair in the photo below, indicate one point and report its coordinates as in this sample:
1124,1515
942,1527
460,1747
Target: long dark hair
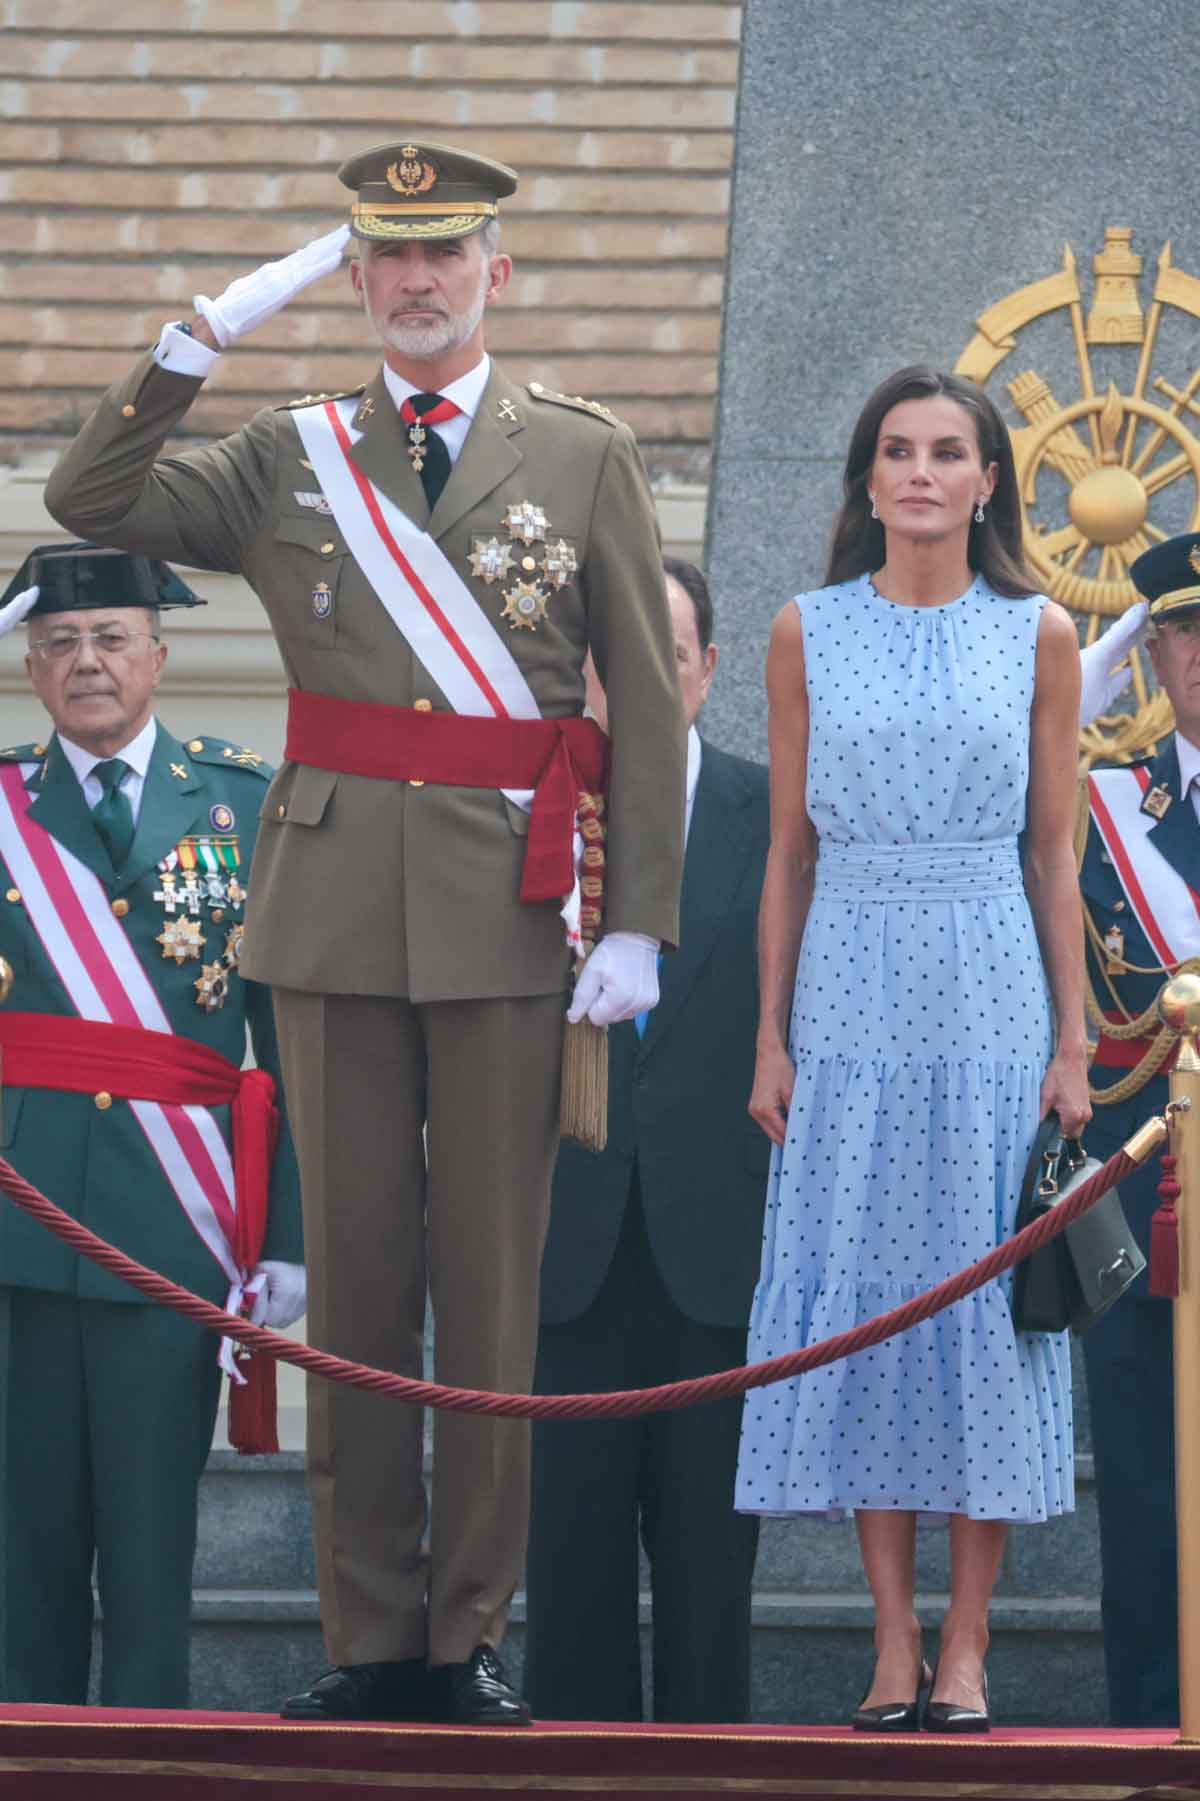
994,548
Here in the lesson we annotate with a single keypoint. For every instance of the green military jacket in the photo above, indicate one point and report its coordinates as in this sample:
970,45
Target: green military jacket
377,887
199,805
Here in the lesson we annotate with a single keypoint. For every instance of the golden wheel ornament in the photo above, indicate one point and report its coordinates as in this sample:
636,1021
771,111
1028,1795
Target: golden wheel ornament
1106,475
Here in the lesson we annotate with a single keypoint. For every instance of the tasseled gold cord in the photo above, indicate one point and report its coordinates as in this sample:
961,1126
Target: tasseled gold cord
583,1109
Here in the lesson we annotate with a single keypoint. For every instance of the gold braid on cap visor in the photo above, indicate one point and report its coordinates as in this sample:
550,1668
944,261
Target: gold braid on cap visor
1169,603
423,218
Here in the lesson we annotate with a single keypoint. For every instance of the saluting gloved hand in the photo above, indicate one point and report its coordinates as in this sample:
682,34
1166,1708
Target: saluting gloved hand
618,981
283,1295
1102,681
252,298
16,609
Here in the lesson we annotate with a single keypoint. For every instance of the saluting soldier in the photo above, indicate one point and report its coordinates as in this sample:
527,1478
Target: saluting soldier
437,552
124,870
1140,877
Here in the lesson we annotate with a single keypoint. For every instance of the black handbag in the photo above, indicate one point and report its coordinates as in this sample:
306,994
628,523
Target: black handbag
1075,1278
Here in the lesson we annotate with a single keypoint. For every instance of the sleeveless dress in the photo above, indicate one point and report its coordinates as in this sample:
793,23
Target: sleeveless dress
921,1030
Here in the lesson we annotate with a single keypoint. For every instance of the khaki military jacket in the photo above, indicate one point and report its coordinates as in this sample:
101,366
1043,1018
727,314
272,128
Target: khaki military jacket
385,888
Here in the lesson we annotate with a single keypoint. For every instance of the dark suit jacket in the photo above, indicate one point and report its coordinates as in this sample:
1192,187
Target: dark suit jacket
1176,837
677,1097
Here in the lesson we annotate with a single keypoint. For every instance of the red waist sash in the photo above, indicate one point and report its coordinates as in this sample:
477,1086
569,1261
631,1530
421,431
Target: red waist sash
557,758
1127,1053
85,1056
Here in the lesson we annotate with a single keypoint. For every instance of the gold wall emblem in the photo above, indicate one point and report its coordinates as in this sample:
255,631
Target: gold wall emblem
413,174
1113,469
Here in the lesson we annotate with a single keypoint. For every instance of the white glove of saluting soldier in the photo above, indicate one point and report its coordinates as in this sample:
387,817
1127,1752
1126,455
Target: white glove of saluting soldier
618,981
1102,680
252,298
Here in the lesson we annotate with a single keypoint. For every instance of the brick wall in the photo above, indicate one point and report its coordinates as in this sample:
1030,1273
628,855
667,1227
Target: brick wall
150,148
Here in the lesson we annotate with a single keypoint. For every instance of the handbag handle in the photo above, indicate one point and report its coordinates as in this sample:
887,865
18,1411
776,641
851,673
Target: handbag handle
1052,1157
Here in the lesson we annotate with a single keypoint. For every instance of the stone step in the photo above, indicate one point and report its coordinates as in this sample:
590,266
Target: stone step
811,1653
255,1532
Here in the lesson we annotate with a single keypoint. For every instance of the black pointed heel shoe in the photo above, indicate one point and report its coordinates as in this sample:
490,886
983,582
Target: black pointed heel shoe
946,1716
896,1716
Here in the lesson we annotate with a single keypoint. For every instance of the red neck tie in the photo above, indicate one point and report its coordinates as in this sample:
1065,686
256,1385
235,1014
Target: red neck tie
426,448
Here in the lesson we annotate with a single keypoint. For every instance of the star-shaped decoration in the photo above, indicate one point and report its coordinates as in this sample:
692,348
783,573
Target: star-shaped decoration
526,521
212,987
181,939
525,606
235,894
490,559
559,563
233,945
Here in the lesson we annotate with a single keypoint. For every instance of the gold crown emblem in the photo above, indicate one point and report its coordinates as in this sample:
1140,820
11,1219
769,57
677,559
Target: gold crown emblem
1194,557
411,175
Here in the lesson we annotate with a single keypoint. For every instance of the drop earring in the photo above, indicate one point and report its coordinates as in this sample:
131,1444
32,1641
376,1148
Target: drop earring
979,512
874,513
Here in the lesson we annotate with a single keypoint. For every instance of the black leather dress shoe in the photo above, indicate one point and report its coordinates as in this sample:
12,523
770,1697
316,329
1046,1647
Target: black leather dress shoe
478,1693
365,1691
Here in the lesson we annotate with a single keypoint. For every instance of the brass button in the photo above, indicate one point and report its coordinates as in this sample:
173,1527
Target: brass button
218,914
120,907
196,746
128,411
528,563
328,548
416,782
39,750
281,811
104,1100
14,895
423,705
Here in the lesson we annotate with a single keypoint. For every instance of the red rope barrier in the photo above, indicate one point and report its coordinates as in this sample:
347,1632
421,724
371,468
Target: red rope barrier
622,1403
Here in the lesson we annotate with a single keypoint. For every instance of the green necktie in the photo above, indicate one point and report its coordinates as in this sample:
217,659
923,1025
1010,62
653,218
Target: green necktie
112,812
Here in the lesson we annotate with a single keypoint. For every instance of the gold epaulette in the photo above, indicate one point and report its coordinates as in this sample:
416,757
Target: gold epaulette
576,401
316,399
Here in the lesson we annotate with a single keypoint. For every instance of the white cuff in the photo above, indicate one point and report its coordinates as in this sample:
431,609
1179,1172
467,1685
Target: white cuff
181,354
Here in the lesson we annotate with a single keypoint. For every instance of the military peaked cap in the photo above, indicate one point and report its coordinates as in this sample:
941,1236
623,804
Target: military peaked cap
415,189
1169,576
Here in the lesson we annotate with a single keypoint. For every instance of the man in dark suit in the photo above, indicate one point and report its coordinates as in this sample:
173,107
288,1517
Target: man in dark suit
647,1277
1140,876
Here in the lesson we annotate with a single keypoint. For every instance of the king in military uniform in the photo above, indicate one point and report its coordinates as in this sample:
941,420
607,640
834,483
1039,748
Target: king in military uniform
125,864
437,552
1140,877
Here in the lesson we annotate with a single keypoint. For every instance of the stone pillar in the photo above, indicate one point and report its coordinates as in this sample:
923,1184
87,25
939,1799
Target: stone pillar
898,169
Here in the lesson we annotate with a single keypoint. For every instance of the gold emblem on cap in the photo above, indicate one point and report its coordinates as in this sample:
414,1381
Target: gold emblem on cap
1194,557
412,174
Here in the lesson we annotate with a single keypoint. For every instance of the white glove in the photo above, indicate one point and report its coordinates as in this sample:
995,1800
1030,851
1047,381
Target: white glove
20,604
618,981
1102,682
252,298
278,1293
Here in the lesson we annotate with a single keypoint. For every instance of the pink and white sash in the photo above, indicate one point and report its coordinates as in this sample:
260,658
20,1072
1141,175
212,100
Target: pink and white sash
422,593
104,980
1164,905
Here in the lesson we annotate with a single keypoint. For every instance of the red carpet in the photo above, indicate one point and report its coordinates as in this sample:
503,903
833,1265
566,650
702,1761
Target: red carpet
95,1754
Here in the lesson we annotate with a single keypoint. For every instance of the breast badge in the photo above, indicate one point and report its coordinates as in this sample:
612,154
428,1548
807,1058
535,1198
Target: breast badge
526,522
490,560
525,606
1114,951
526,602
181,940
1157,802
212,987
220,817
559,563
322,601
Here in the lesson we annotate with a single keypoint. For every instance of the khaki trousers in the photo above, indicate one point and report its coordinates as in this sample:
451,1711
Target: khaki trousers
426,1137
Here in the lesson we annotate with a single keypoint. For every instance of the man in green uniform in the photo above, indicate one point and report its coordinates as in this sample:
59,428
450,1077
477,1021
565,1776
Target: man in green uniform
124,869
437,553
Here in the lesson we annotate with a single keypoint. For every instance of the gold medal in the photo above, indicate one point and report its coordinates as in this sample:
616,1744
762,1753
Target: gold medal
167,894
1157,801
212,987
490,559
416,445
525,606
181,939
233,945
526,522
559,563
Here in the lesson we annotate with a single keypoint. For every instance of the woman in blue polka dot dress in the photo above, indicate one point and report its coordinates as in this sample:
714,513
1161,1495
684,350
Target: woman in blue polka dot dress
922,1007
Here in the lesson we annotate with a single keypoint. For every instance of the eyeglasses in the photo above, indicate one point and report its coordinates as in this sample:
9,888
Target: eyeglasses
109,640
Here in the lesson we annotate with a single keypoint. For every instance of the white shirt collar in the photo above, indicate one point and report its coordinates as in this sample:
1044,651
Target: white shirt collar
1189,761
137,753
466,392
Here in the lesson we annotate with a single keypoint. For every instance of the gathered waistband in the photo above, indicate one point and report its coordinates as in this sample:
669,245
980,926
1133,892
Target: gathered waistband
917,872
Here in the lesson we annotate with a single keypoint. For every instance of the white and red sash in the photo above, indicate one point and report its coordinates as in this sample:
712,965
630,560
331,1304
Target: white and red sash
1165,906
421,591
104,980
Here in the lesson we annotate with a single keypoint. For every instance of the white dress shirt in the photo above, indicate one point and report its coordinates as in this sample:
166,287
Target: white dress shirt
136,754
1189,768
694,752
466,393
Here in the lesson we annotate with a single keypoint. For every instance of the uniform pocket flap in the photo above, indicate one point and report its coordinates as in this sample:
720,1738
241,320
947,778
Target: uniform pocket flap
303,801
313,532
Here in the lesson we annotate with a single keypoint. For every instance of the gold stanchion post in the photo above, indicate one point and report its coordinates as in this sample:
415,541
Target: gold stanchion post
1179,1007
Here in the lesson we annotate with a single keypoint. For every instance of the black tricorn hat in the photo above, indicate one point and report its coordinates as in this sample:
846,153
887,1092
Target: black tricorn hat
1168,574
70,577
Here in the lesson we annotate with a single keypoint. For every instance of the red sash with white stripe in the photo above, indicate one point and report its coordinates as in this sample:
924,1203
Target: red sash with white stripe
1165,906
104,980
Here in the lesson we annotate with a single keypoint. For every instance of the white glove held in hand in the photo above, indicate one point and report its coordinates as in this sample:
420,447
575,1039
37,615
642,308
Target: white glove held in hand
250,299
618,981
1101,681
16,609
283,1295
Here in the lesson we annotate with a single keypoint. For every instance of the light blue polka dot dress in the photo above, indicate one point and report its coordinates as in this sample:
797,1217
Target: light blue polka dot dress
921,1030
